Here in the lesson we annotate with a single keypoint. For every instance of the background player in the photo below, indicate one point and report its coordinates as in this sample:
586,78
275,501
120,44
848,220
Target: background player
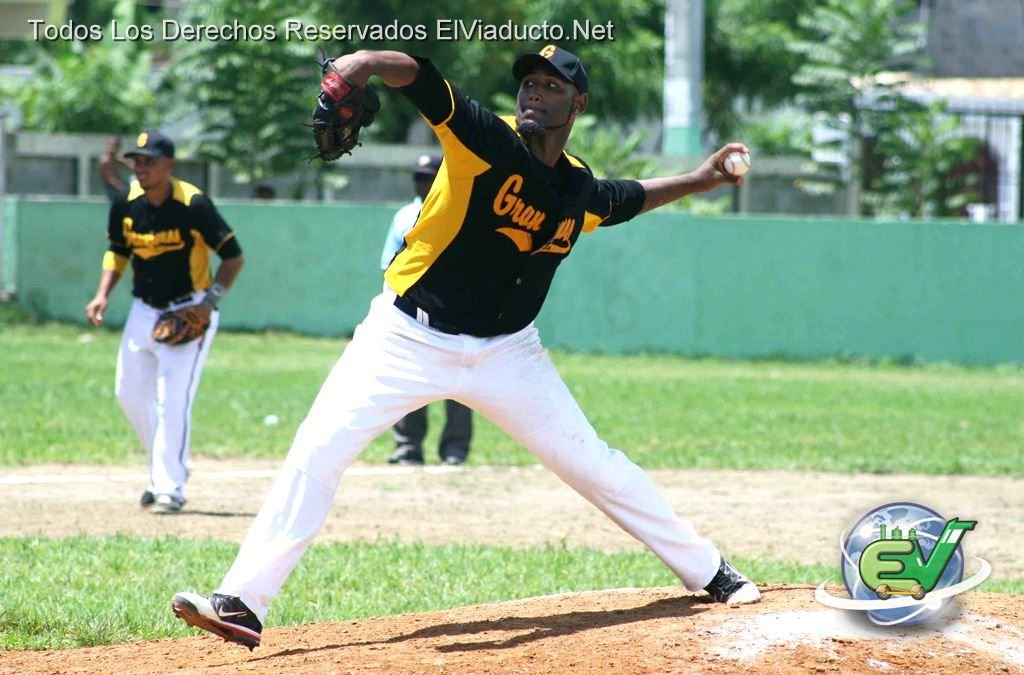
165,227
410,431
456,321
109,168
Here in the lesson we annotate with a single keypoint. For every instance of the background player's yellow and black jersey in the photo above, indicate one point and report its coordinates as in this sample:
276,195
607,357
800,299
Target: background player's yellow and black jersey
497,221
168,245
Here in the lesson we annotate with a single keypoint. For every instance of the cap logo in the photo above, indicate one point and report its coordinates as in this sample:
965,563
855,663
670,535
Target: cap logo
423,160
142,140
548,51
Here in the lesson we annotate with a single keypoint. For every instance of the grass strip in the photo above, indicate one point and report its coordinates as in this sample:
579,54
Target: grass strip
86,591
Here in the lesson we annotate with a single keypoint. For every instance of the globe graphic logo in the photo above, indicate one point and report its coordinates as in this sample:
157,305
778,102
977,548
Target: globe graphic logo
908,521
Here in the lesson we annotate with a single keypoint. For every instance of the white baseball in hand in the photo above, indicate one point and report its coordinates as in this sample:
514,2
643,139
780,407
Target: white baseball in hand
736,163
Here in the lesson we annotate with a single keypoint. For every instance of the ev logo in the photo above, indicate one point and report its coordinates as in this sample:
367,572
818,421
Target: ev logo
895,565
902,563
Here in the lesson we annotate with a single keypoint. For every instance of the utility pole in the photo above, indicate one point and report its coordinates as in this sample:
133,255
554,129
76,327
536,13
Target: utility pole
684,76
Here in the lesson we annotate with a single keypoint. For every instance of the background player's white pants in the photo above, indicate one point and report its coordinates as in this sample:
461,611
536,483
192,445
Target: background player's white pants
394,365
156,385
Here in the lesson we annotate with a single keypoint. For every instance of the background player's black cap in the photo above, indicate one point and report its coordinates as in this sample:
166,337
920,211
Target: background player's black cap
427,165
565,65
152,143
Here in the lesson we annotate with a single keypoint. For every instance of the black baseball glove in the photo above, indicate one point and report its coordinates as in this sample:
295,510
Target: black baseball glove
180,326
342,110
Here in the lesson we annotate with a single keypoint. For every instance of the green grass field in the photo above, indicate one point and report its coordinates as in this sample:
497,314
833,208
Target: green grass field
56,394
334,582
663,411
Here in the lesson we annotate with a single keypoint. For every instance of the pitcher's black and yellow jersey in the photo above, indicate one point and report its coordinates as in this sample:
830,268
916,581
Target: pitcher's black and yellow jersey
497,221
168,245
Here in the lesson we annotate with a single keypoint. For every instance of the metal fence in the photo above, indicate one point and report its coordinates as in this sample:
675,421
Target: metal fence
1000,164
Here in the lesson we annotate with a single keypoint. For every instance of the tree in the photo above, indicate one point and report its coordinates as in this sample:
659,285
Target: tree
251,95
748,63
90,86
921,161
626,73
610,151
850,44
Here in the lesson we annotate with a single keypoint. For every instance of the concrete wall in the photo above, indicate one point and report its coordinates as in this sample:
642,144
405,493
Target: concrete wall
45,164
64,165
975,39
667,282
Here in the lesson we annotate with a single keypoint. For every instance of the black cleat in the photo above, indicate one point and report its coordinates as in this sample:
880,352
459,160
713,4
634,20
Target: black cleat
167,504
147,499
406,457
226,616
731,587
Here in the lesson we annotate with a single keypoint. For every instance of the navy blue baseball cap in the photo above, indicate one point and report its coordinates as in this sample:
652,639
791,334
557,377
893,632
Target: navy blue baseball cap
152,143
558,62
427,165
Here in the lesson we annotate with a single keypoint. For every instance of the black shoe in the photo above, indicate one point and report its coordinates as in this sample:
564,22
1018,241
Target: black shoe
406,457
731,587
454,460
165,504
223,615
147,499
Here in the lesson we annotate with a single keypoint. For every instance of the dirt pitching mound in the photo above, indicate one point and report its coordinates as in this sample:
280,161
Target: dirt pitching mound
663,630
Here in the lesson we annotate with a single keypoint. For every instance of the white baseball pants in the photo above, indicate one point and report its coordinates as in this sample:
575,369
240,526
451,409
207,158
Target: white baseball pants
156,385
394,365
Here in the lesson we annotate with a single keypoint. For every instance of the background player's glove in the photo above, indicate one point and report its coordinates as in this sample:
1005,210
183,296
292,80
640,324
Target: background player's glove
342,110
180,326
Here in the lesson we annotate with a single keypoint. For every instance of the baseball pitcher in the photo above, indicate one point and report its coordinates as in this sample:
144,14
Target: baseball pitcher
455,320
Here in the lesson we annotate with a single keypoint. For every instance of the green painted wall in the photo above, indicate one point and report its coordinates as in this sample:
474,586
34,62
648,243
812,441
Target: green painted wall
666,282
795,288
310,268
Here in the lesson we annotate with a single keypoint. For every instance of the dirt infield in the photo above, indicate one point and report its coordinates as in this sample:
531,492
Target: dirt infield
662,630
779,515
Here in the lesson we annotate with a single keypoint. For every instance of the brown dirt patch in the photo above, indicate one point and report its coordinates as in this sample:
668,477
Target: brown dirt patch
662,630
772,514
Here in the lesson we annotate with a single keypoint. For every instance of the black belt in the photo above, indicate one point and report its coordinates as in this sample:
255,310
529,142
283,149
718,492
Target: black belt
411,309
164,304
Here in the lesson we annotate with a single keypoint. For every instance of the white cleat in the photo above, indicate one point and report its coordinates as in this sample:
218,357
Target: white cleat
226,616
731,587
747,594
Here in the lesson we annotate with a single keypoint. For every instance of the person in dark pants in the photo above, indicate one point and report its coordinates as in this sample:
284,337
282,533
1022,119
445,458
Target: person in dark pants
410,431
